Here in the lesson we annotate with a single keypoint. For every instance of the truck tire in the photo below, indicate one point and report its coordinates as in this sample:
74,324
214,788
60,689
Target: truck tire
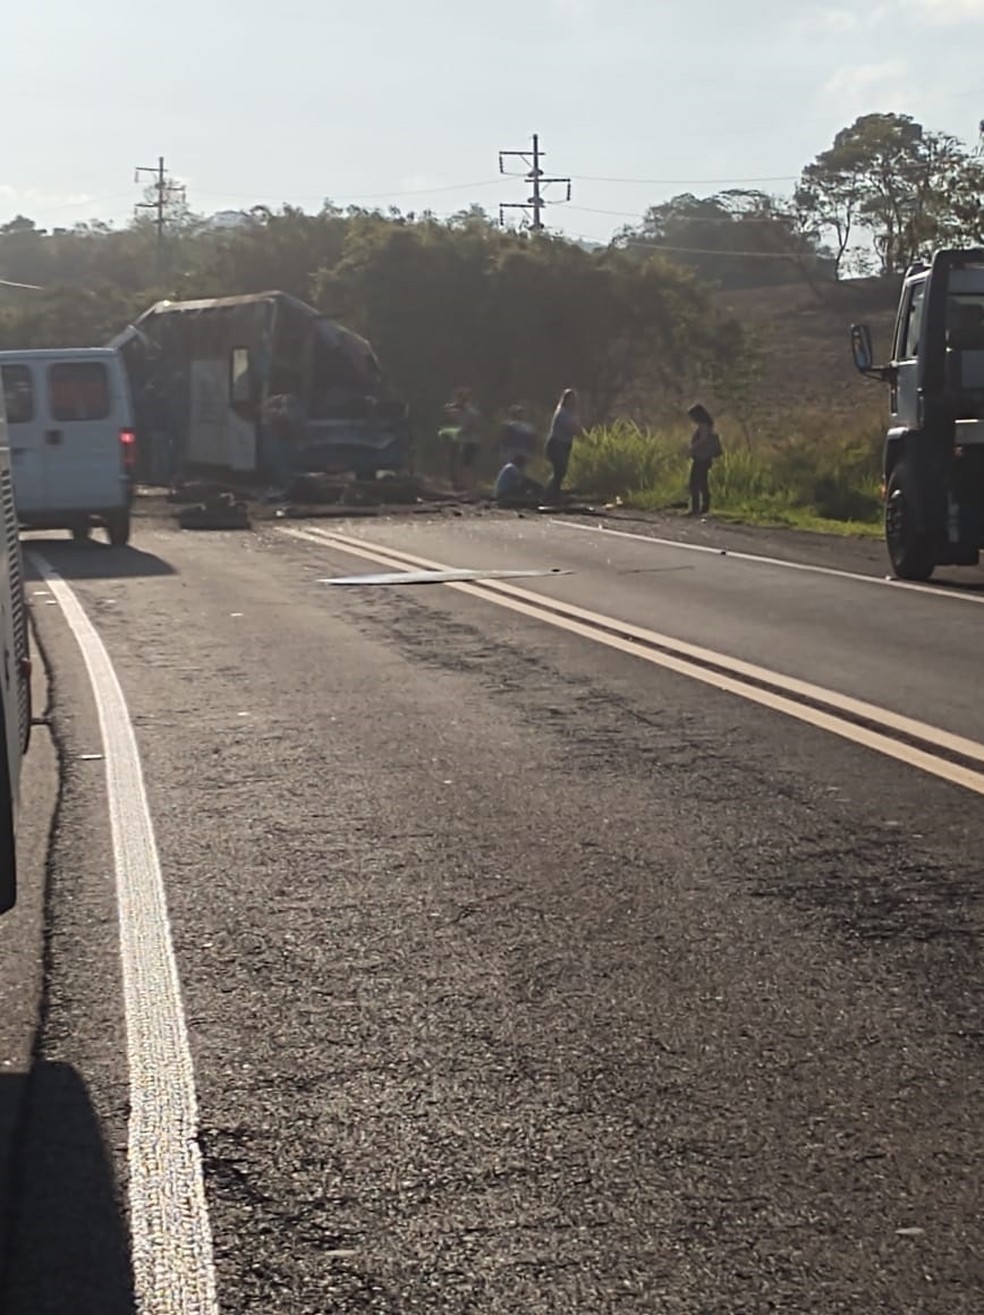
118,528
909,550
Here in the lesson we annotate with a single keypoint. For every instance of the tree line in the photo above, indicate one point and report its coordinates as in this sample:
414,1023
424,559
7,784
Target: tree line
445,302
517,317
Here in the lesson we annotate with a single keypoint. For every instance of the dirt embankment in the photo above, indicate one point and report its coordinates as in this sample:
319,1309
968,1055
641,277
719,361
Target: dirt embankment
803,336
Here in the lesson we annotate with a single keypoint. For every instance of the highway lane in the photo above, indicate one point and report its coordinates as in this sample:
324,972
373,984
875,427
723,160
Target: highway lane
916,652
520,974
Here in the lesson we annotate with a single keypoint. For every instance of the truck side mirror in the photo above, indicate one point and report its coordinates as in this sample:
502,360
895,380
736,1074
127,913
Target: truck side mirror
864,355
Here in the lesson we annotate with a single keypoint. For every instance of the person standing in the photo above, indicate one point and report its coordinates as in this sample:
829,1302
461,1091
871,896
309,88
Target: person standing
565,427
705,448
463,436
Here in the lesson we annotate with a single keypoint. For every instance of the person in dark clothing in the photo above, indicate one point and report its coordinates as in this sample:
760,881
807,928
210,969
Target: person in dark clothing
565,427
705,447
463,438
516,434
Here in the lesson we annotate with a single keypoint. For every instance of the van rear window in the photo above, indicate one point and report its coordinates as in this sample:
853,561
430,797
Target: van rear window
18,391
78,390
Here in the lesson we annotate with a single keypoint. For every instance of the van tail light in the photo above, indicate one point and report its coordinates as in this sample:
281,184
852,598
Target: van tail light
128,442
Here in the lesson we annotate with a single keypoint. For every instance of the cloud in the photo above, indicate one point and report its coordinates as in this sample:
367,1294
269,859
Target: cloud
32,196
580,9
837,21
949,12
855,85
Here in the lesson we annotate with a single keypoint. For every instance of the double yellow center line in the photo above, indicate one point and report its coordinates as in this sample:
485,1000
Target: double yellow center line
952,758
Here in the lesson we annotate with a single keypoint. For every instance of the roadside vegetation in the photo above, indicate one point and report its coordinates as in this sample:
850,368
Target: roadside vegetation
804,476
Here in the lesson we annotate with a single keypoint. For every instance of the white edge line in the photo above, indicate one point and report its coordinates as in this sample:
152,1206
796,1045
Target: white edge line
856,576
172,1253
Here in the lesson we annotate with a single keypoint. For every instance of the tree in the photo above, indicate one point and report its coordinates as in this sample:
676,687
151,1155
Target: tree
829,197
67,317
735,239
518,318
281,249
910,189
24,252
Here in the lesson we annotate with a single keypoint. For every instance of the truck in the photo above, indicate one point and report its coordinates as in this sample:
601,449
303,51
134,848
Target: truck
934,447
260,386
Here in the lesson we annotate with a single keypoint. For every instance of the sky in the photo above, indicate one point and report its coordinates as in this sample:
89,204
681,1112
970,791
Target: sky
408,102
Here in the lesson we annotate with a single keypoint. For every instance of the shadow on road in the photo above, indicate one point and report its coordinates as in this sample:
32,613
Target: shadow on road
962,585
63,1234
96,561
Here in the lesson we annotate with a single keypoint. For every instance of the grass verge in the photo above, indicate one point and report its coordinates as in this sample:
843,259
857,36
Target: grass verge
804,476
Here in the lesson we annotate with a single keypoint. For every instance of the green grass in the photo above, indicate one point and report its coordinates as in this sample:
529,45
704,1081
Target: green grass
801,475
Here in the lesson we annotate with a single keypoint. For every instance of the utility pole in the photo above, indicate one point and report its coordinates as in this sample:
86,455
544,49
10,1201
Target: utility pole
165,189
538,181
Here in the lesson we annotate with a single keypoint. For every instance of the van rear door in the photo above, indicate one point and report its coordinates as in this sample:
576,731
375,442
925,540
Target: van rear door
82,448
25,421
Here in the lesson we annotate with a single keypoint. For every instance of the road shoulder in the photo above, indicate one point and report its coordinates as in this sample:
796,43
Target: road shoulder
22,939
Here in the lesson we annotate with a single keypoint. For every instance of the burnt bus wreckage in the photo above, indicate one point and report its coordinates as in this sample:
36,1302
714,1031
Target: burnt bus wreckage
258,387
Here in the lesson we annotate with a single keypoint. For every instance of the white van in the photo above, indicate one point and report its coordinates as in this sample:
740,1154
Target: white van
72,439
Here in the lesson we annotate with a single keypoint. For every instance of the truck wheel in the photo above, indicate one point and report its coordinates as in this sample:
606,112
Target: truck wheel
909,551
80,533
118,528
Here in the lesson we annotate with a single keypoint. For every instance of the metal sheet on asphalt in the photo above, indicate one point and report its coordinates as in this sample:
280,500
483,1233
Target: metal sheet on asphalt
433,577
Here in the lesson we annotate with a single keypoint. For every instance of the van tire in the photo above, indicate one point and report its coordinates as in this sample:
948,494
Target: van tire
118,528
80,533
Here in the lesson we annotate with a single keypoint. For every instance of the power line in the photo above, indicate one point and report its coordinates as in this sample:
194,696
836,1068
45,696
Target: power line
690,219
536,178
375,196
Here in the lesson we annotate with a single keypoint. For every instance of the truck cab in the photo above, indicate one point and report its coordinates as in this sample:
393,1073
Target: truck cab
934,447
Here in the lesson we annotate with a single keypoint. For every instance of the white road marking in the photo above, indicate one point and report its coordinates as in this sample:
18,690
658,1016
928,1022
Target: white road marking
732,676
858,577
173,1266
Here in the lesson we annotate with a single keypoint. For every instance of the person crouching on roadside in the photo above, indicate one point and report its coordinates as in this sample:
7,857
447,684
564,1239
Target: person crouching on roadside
514,488
516,434
705,448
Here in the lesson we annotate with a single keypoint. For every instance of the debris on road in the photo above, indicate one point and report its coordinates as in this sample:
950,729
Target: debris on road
205,505
436,577
221,512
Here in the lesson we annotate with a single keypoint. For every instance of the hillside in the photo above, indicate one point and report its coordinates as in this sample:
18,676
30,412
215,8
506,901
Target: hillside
804,339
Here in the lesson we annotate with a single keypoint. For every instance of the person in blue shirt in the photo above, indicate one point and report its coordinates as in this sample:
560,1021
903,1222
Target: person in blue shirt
513,487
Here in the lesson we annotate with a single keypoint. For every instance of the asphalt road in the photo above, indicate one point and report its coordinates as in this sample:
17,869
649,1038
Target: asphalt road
519,974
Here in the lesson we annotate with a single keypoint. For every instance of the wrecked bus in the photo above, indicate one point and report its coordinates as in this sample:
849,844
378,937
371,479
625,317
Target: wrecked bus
258,386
